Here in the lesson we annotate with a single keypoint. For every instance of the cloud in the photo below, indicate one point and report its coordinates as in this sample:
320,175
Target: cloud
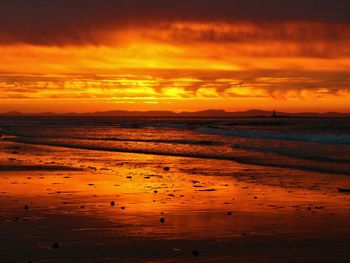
253,32
158,50
58,22
276,84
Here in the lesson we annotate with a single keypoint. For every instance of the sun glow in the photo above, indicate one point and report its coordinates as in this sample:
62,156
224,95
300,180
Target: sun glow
244,62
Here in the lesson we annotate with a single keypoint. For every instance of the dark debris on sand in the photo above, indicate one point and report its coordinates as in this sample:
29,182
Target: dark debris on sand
55,245
207,190
343,190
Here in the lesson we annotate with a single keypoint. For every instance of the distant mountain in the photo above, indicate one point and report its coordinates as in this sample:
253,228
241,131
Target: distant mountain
204,113
12,113
120,113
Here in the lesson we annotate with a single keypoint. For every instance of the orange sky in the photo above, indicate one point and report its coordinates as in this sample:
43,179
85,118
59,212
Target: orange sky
181,65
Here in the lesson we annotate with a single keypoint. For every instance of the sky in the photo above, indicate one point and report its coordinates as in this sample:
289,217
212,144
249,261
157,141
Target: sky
184,55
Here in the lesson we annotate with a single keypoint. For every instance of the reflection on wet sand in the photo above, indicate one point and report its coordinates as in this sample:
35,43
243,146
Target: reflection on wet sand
111,209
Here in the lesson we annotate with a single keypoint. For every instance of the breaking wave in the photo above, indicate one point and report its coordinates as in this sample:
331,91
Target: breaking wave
319,138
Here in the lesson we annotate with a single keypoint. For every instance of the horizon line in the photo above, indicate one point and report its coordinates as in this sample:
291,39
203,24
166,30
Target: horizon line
269,113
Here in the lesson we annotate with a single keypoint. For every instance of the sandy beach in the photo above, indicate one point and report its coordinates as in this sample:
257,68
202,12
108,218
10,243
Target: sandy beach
64,205
174,131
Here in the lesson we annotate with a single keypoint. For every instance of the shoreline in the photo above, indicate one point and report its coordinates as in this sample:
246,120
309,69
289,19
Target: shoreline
226,211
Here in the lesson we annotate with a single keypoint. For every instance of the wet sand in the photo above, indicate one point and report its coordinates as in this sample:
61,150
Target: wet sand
56,206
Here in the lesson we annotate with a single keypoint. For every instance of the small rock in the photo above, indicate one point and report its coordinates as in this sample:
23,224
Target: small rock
123,207
229,213
55,245
195,253
343,190
155,191
166,168
207,190
26,207
162,220
112,203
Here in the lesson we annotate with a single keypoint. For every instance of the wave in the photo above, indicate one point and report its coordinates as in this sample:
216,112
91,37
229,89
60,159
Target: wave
292,154
12,168
239,159
319,138
116,139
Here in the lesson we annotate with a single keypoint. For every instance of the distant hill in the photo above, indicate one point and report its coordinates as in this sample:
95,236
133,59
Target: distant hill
204,113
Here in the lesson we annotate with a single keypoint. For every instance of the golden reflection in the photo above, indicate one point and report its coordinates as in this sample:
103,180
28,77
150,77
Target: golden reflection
199,198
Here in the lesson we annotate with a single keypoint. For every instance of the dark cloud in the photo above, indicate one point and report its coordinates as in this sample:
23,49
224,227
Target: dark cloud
76,21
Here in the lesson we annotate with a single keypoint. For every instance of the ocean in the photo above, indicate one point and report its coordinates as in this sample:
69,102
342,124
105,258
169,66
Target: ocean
310,144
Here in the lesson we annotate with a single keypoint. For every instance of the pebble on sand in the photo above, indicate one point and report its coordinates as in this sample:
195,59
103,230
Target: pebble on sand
166,168
155,191
56,245
112,203
162,220
26,207
195,253
343,190
229,213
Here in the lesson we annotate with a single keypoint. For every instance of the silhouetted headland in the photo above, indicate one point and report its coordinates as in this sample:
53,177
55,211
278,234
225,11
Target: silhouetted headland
204,113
